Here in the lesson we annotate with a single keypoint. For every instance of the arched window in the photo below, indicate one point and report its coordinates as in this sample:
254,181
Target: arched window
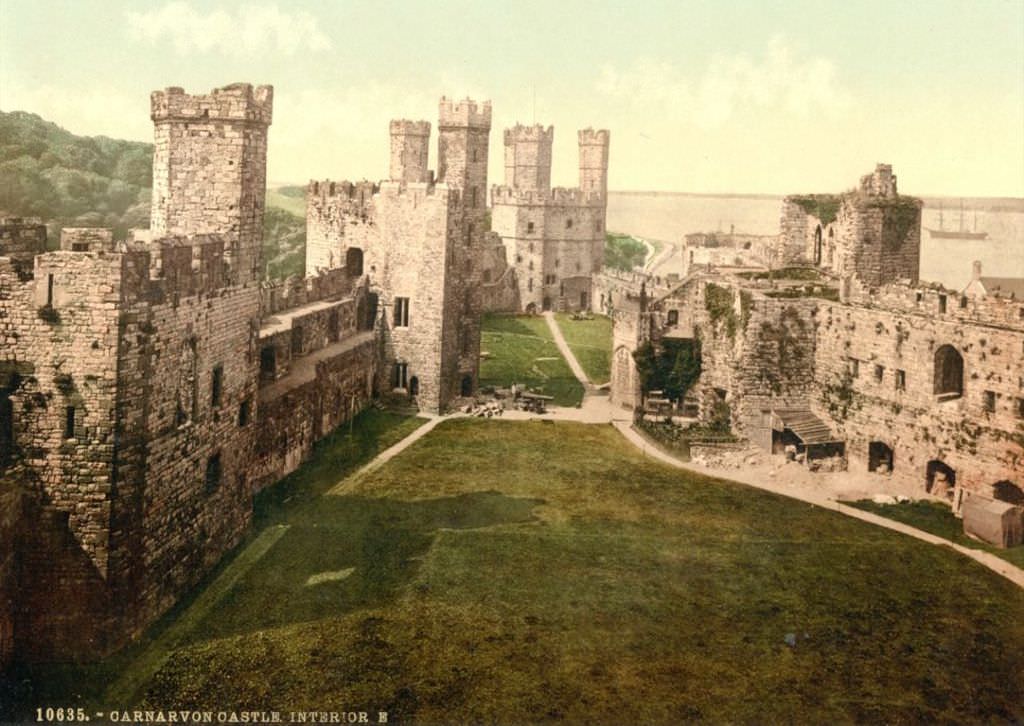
949,373
354,261
817,245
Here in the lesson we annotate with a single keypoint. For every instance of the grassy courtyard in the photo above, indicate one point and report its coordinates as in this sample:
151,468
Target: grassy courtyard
520,349
591,343
523,572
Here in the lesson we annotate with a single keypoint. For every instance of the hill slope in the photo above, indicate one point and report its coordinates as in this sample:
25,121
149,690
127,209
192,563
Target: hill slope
95,181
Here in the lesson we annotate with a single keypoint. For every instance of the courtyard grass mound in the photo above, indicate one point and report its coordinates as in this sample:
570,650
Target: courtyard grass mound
520,349
525,572
591,342
937,518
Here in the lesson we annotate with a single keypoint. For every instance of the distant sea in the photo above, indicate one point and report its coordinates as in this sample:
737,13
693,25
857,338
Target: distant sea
668,216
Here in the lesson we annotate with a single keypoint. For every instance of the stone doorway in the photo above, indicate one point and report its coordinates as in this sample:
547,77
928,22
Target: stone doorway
880,457
940,479
414,386
467,386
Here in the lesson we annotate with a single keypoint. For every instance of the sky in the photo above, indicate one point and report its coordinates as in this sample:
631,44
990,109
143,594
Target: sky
717,96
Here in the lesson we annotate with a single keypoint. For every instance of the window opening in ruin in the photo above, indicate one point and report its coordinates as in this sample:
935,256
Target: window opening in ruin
401,312
1007,491
901,380
942,303
49,290
920,297
268,362
333,326
6,428
963,301
79,246
940,479
296,339
529,228
399,375
214,472
568,224
1020,408
949,373
880,457
244,411
879,373
69,422
673,317
354,261
217,386
990,401
529,285
414,386
853,366
817,245
531,247
467,386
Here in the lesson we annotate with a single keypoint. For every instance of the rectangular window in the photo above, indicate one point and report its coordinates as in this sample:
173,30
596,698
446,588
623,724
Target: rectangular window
217,386
213,472
244,411
901,380
879,373
401,312
1020,408
963,301
990,402
69,422
400,375
79,246
49,290
942,303
529,226
853,367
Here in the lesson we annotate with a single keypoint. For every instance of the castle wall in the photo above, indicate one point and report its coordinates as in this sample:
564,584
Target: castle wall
20,241
892,398
339,215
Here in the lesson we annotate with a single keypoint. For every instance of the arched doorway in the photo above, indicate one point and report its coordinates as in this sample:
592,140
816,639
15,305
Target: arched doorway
414,386
546,304
531,309
940,479
354,261
949,373
467,386
880,457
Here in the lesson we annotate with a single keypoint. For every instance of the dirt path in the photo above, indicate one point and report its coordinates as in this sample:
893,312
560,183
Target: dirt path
391,452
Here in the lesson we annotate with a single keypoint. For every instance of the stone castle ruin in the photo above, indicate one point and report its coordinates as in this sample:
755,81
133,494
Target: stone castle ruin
149,387
843,354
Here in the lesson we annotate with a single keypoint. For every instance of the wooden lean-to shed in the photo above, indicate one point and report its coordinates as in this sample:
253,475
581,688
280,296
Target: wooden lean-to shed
990,520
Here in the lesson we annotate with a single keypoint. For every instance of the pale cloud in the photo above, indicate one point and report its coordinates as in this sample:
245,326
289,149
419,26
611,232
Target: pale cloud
245,32
779,80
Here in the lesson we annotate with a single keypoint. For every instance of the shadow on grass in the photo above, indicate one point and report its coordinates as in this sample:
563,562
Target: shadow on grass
349,552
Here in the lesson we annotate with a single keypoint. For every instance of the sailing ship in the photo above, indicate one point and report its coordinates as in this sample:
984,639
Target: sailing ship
943,233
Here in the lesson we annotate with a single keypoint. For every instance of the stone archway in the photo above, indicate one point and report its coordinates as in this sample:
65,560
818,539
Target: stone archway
949,373
880,457
940,479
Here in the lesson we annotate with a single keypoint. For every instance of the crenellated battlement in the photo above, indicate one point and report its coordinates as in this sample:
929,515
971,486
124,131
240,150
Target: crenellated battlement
557,196
880,183
462,114
406,127
593,137
21,239
239,102
529,134
939,303
279,295
322,191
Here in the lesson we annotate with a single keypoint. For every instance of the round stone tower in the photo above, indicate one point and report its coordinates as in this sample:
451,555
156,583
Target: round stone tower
528,157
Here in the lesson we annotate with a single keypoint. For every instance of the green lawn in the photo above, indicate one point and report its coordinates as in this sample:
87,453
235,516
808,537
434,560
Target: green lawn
524,572
938,519
520,349
591,343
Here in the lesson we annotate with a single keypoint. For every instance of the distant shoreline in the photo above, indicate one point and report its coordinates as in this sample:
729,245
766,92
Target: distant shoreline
991,204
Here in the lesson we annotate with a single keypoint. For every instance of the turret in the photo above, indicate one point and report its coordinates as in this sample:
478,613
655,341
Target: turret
463,130
210,169
594,160
528,157
410,144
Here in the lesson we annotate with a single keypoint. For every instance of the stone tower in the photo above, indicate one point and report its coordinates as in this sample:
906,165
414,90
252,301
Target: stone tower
528,157
594,160
209,169
463,130
410,144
